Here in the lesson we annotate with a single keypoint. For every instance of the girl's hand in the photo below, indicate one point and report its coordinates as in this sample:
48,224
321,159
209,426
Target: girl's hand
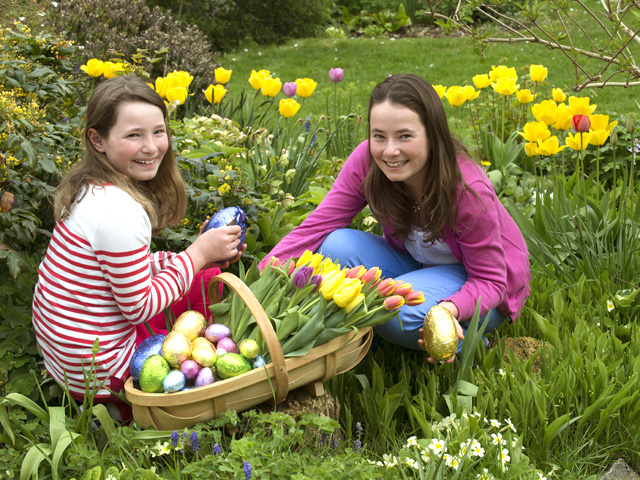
215,246
223,265
454,313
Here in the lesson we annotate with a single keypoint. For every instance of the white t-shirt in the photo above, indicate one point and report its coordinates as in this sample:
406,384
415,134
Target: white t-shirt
429,255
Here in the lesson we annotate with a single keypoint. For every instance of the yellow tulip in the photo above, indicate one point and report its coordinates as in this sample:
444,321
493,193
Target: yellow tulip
327,265
470,93
550,146
530,149
534,131
177,94
545,111
348,290
538,73
601,122
304,258
111,69
355,302
482,81
580,106
564,117
440,90
315,262
524,96
180,78
258,77
455,95
270,86
558,95
598,137
288,107
306,86
579,141
330,283
222,75
503,72
505,86
215,93
94,67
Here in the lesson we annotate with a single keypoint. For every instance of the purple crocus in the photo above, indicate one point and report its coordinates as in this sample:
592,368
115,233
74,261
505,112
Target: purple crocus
289,89
301,276
336,75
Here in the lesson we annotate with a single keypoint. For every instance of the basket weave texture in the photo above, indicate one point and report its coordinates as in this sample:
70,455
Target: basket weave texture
172,411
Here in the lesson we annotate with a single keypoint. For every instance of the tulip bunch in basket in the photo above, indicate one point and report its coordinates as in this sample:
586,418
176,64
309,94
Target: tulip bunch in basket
312,300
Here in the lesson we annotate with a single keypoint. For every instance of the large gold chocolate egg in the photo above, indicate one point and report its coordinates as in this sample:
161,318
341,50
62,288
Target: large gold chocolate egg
202,342
439,333
191,323
176,348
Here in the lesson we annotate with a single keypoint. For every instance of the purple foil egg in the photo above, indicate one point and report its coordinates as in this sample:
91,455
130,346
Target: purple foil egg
216,332
228,345
229,216
190,369
205,377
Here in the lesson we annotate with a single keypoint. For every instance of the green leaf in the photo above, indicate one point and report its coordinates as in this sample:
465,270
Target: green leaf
33,459
28,404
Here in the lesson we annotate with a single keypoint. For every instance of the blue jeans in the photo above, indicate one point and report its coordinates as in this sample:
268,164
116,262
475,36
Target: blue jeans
351,247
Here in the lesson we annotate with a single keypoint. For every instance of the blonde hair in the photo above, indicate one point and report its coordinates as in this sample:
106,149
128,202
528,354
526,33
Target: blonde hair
163,197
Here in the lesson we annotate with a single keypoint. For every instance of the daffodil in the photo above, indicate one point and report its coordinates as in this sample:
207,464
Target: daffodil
440,90
306,86
579,141
580,106
94,67
558,95
455,96
550,146
222,75
545,111
505,86
503,72
482,81
470,93
563,119
534,131
215,93
538,73
524,96
256,78
288,107
270,86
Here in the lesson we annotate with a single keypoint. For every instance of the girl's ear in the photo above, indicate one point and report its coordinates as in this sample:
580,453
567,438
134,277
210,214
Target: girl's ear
96,140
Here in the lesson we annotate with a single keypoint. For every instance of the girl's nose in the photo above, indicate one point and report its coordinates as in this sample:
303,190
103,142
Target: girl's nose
148,144
390,149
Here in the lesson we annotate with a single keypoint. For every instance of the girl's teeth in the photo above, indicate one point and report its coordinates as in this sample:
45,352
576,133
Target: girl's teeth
145,162
399,164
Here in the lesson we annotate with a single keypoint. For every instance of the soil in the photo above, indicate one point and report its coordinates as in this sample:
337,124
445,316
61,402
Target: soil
300,401
522,348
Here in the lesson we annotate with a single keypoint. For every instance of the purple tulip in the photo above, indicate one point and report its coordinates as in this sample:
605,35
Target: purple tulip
336,75
289,89
301,276
316,280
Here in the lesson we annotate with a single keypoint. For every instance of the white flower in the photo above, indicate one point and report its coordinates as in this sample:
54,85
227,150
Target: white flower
541,477
495,423
463,448
511,426
438,446
477,451
497,439
55,4
610,305
475,443
412,441
412,463
389,460
110,477
425,454
502,373
453,462
504,456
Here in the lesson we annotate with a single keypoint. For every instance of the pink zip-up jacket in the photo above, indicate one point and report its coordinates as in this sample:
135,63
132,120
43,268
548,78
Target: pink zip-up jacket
487,242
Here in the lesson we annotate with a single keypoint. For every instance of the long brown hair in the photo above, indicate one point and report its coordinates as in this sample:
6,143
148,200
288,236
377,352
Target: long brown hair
163,197
389,200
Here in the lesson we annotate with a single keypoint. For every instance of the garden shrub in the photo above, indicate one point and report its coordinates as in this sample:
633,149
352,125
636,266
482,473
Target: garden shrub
122,27
229,23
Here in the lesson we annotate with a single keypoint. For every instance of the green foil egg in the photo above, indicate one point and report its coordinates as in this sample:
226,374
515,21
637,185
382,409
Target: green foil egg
152,374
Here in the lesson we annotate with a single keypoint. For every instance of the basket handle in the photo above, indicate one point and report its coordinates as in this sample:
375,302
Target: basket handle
273,345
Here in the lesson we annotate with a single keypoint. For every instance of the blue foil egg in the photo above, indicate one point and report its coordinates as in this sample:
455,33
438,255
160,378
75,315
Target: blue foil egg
229,216
150,346
258,362
174,381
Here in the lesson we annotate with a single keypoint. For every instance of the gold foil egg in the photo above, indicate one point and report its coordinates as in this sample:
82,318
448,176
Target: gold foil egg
439,333
176,348
202,342
191,323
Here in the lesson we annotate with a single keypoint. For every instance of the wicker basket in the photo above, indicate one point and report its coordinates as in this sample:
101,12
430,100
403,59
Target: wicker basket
172,411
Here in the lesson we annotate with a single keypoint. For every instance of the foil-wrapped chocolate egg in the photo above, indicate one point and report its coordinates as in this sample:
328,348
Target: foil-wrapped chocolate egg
190,369
205,377
439,333
152,374
216,331
191,323
150,346
258,362
202,342
228,345
249,348
176,348
174,381
229,216
203,356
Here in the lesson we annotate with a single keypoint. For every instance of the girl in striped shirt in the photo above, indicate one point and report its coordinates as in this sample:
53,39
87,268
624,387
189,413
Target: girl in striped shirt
99,279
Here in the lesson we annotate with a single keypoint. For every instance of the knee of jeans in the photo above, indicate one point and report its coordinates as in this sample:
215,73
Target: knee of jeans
337,244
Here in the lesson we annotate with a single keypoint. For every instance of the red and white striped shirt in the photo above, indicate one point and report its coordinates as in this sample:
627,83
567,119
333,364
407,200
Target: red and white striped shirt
98,279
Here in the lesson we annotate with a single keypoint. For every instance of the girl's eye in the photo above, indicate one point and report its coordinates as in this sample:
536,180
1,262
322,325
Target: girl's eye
405,136
159,132
377,136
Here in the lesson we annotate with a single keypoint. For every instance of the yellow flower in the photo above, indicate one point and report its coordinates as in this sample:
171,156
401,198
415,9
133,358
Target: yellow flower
482,81
348,290
178,94
288,107
534,131
538,73
258,77
224,189
530,149
580,106
550,146
455,95
524,96
180,78
111,69
601,122
330,283
222,75
304,258
579,141
505,86
558,95
545,111
503,72
440,90
598,137
327,265
270,86
94,67
306,86
470,93
563,119
215,93
355,302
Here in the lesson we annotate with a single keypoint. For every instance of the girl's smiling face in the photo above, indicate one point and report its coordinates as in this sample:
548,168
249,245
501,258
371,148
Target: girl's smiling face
399,145
137,141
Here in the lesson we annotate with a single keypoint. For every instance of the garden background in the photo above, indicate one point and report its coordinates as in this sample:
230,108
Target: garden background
557,393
